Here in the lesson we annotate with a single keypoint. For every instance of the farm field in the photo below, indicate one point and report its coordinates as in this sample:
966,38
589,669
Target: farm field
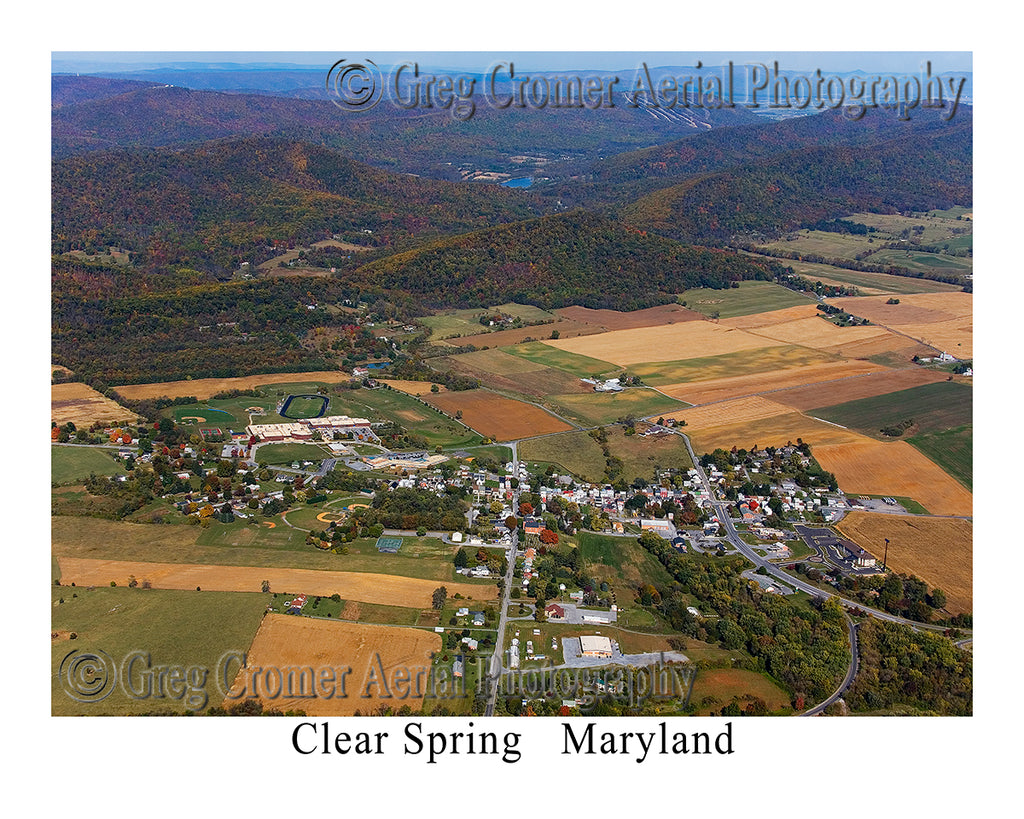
867,283
889,350
736,411
772,431
816,332
718,687
933,407
821,376
497,417
176,627
769,318
545,354
617,320
390,590
598,408
952,449
919,260
501,371
83,406
565,328
766,360
825,243
448,323
412,387
69,464
669,342
203,388
938,550
895,468
749,297
578,453
243,544
943,320
300,642
877,382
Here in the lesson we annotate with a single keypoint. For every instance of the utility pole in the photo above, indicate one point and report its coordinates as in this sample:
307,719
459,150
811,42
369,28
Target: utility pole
885,558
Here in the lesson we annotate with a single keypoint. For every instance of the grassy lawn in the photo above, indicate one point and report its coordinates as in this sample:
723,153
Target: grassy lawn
70,464
593,409
495,452
624,565
933,408
952,449
417,417
548,356
750,297
175,627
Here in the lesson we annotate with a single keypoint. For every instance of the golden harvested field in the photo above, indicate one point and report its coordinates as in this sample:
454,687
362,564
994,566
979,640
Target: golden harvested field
720,389
869,385
787,314
736,411
373,653
668,342
412,387
497,417
386,589
818,333
894,468
893,346
938,550
617,320
82,405
203,388
773,431
943,320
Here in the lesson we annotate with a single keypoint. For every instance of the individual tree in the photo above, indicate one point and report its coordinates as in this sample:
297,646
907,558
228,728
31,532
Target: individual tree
461,558
438,598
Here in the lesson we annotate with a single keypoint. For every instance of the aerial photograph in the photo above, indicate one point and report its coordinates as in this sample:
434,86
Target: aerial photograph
476,384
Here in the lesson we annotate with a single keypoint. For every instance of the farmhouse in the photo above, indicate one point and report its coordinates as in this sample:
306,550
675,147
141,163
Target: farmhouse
595,646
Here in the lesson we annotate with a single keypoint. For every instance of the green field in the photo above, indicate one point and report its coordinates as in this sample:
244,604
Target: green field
574,452
176,628
496,452
548,356
594,409
245,544
922,261
415,416
71,464
749,298
454,323
300,407
933,408
623,563
952,449
287,453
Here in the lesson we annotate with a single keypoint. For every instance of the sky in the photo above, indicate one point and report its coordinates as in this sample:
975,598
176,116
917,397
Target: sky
832,61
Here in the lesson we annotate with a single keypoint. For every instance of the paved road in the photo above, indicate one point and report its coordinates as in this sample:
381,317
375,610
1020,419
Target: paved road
851,672
494,683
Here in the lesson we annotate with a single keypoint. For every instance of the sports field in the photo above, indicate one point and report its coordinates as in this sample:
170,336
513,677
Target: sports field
894,468
82,405
938,550
69,464
203,388
376,655
390,590
287,453
497,417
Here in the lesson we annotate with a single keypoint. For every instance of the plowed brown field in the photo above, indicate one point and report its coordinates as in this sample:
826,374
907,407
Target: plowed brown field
894,468
851,389
348,667
497,417
938,550
387,589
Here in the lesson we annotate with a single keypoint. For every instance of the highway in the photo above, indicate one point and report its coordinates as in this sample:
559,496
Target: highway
851,672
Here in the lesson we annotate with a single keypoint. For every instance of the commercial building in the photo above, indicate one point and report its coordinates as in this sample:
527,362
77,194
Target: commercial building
595,646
